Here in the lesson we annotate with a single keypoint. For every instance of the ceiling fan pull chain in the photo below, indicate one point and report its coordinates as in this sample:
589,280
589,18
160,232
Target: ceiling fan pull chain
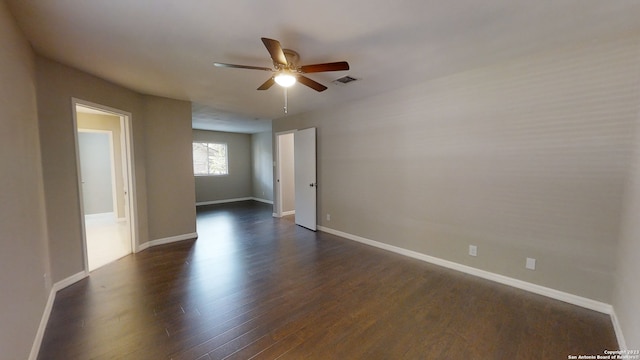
286,100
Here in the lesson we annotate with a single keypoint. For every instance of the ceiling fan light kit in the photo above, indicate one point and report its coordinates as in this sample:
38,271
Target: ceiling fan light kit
285,79
287,73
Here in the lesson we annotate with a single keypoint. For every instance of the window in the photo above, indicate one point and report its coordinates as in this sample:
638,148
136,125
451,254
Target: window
210,159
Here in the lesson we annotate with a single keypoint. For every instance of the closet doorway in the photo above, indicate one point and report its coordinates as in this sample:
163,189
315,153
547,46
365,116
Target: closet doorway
105,179
296,176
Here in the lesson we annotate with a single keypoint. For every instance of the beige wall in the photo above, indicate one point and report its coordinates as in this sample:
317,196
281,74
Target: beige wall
57,85
235,185
169,168
109,123
523,159
161,154
262,161
626,294
23,238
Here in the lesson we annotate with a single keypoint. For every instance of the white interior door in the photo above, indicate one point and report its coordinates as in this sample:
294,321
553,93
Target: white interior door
305,174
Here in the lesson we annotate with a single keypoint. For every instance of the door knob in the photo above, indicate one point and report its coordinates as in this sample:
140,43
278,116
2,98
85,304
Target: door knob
313,184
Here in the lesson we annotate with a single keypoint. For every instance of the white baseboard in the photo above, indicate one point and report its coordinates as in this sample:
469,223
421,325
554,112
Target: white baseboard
534,288
284,213
224,201
37,342
167,240
35,348
101,217
523,285
622,344
262,200
69,281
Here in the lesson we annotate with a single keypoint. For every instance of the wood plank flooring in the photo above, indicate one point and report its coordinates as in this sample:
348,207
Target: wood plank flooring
255,287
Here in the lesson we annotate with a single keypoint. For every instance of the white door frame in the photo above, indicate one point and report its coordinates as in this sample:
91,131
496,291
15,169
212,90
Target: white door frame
278,183
131,208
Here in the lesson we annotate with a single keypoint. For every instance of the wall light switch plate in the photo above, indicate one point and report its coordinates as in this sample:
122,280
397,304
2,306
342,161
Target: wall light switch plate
531,264
473,250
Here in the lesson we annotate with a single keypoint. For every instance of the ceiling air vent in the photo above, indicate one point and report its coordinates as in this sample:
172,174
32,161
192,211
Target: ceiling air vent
344,80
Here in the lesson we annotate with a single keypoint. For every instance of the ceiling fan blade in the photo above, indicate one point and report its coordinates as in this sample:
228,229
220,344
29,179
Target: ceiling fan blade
242,66
267,84
311,83
334,66
275,50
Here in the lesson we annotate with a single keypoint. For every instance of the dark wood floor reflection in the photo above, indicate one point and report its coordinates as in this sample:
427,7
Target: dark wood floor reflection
255,287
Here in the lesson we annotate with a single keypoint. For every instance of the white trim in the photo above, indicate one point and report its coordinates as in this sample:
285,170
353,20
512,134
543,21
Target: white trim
262,200
224,201
128,157
285,213
534,288
275,215
69,281
622,344
108,216
167,240
37,342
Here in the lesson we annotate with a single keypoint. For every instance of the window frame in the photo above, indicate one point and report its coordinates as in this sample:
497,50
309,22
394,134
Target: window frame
207,143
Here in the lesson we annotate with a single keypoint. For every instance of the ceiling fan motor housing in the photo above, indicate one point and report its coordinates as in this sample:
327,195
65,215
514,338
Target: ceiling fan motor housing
285,62
292,58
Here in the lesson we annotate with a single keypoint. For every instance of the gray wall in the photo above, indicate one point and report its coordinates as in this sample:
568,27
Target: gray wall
161,150
524,159
57,84
40,229
238,184
626,294
169,159
262,162
23,237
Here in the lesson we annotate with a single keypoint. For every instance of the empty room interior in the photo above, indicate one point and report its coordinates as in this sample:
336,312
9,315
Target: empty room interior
452,180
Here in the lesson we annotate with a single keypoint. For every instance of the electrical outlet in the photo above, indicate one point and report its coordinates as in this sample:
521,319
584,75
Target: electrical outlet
328,217
531,264
473,250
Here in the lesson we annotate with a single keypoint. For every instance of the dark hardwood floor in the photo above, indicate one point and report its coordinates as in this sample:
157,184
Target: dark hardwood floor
255,287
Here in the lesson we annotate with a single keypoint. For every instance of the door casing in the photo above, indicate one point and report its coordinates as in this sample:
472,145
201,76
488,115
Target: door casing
128,168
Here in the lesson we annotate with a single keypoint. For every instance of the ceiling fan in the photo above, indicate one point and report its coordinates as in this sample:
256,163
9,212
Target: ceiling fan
286,71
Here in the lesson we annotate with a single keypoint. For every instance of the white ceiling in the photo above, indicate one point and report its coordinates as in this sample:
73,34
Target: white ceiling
167,47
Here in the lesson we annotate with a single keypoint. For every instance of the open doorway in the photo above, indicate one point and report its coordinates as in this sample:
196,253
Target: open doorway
285,178
105,179
296,176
